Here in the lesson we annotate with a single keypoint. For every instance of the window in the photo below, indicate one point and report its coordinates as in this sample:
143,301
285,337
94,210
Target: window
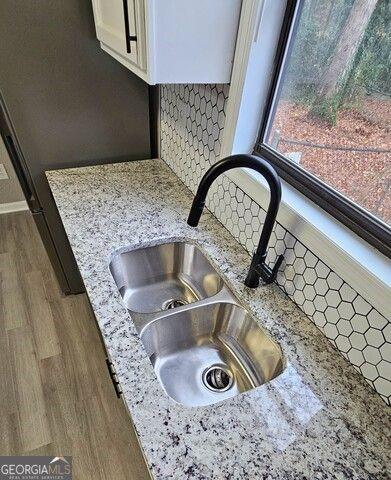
327,122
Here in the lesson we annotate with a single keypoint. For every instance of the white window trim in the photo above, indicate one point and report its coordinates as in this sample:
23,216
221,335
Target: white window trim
358,263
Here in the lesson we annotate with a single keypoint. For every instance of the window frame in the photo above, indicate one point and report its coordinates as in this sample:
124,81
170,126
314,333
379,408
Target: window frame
360,221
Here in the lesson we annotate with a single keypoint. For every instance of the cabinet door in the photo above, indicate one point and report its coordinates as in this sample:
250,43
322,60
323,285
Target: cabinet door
116,26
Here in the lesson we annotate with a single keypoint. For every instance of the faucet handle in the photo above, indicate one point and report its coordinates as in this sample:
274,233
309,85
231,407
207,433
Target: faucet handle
274,271
268,274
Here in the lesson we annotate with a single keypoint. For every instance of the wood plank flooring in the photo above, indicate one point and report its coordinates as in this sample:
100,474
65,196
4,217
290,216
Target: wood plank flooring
56,397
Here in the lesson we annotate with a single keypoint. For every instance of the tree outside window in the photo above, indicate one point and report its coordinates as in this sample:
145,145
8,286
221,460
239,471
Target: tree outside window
334,109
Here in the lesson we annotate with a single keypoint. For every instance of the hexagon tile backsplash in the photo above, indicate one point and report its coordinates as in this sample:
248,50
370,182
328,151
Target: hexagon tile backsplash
191,123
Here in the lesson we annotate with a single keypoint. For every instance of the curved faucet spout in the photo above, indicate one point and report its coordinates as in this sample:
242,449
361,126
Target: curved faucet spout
258,267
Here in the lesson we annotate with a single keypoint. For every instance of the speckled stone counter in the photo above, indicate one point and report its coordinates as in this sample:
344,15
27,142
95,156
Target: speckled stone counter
317,420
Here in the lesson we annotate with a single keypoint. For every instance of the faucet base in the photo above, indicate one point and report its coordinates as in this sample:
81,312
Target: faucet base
254,272
252,279
259,269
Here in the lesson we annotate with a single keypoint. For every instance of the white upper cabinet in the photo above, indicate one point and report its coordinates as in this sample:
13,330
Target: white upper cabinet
170,41
115,23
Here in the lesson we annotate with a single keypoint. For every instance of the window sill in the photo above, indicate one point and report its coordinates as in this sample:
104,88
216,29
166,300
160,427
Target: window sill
359,264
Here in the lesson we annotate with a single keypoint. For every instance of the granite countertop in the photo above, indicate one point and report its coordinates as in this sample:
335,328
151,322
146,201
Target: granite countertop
317,420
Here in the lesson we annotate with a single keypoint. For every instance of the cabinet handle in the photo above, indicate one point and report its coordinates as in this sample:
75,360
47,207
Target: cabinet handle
128,38
114,378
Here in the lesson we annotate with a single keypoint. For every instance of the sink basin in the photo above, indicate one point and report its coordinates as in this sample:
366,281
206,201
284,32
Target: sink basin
158,278
207,353
203,345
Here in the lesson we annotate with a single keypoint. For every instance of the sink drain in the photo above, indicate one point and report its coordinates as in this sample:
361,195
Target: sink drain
174,303
217,378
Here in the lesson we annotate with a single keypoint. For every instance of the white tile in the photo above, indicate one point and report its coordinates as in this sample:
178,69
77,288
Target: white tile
383,386
242,237
374,337
289,287
299,282
300,250
332,315
357,340
220,101
310,276
255,209
344,327
376,319
248,230
279,231
346,311
221,119
299,266
299,297
356,357
250,247
280,247
321,286
384,369
197,101
289,272
322,270
215,115
387,332
319,319
385,351
247,202
241,209
371,355
369,371
330,331
333,298
271,256
320,303
308,308
360,323
257,227
361,306
289,255
248,217
335,282
309,292
343,343
203,106
242,223
310,259
289,240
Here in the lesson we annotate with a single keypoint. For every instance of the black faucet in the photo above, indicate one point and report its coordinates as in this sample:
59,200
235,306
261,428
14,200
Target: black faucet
258,268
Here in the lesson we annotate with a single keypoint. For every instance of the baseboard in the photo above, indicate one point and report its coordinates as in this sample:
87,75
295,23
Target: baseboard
13,207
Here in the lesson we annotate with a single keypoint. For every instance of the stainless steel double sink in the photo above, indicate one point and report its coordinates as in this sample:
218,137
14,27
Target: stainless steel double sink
203,344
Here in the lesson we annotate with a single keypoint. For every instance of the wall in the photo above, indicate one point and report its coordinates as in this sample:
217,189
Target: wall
10,190
71,104
192,121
